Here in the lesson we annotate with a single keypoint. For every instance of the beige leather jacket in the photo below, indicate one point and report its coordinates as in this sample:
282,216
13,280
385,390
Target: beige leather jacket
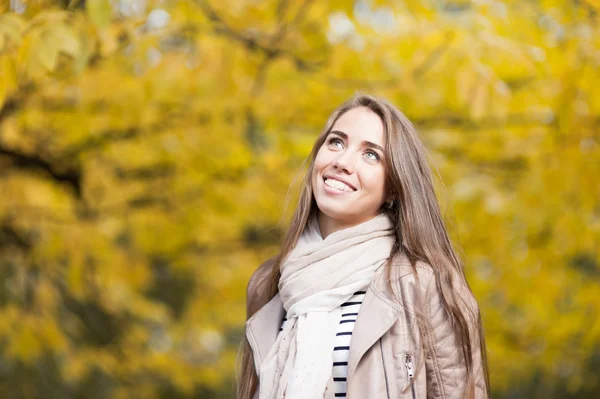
387,357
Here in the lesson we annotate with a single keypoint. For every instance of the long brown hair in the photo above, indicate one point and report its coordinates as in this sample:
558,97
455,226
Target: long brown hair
419,229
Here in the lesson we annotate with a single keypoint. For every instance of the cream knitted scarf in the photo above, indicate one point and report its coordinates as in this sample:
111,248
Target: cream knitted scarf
316,278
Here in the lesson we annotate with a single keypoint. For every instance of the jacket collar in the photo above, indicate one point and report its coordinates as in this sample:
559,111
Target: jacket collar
377,314
262,329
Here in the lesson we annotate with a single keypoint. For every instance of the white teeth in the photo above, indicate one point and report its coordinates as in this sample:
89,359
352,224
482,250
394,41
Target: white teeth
337,185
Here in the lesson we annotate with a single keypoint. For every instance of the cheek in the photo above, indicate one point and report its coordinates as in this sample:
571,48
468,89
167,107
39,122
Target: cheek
322,159
317,166
375,183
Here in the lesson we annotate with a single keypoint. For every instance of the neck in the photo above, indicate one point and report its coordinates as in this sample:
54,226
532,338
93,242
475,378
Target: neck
329,225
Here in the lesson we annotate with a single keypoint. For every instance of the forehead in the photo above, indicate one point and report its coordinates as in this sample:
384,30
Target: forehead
361,124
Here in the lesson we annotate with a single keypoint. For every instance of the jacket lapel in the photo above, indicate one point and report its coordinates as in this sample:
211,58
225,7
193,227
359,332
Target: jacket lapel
377,314
262,329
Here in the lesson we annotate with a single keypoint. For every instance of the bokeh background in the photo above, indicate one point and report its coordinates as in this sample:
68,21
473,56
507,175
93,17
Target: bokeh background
147,149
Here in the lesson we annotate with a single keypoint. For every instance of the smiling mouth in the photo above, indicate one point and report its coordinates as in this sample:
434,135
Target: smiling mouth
337,185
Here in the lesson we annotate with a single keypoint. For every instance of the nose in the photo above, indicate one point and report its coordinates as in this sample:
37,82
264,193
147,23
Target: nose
344,162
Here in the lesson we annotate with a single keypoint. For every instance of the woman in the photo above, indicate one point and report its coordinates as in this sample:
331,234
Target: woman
367,298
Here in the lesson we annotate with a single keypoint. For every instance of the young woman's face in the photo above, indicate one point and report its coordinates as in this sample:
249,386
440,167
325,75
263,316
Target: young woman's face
348,177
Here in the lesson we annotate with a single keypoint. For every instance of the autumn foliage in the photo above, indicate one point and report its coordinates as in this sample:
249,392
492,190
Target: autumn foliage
147,149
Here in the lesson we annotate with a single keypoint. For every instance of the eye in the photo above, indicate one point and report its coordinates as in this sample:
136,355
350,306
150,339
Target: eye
372,155
335,141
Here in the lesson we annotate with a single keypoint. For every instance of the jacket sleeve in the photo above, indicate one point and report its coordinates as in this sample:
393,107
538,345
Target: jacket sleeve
444,360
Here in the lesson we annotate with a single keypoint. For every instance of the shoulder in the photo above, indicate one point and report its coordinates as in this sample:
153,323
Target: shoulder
255,291
420,278
405,271
260,275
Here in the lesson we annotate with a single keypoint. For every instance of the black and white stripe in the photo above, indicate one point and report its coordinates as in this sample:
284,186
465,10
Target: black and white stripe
341,345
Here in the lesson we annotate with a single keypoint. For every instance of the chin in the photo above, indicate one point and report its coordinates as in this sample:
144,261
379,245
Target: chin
338,213
331,211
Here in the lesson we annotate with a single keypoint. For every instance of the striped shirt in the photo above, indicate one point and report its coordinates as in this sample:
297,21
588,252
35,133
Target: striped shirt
341,344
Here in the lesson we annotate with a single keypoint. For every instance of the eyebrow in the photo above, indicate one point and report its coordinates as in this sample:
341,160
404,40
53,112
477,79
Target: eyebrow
367,143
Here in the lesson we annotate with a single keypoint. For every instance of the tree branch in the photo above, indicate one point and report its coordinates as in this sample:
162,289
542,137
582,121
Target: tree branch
433,57
14,103
10,237
100,140
465,123
67,175
157,171
252,43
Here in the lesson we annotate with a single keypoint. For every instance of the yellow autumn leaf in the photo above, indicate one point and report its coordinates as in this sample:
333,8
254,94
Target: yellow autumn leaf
99,12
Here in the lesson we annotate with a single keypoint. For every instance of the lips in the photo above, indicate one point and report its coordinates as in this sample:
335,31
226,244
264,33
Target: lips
340,180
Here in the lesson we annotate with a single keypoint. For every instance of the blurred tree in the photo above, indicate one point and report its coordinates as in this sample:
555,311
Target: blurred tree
146,148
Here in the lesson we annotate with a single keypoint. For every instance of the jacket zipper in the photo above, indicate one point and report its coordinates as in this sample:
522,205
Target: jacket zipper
387,388
410,372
